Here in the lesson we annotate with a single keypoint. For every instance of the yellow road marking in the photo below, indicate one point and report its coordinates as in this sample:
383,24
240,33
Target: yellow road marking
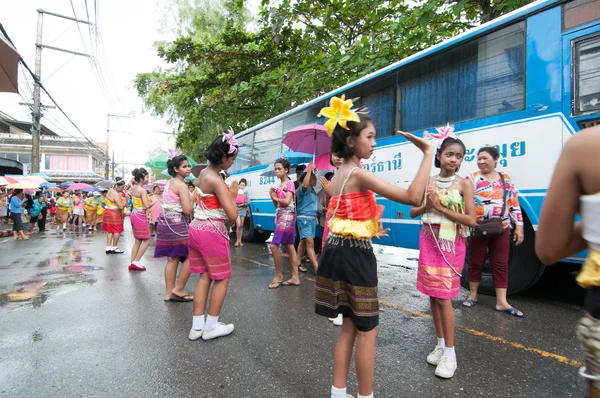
474,332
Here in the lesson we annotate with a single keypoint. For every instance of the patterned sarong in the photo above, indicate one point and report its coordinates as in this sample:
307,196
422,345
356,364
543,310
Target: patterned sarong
139,224
434,277
209,249
285,226
171,236
113,221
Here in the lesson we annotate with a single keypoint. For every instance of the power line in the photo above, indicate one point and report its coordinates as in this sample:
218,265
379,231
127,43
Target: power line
93,144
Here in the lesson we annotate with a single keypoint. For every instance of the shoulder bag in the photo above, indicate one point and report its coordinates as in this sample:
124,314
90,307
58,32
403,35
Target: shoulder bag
492,226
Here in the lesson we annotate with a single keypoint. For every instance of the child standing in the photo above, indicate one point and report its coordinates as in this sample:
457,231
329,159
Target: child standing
347,275
208,243
448,210
242,206
306,216
285,225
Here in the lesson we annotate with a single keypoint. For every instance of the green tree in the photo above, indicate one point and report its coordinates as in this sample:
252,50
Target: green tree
225,74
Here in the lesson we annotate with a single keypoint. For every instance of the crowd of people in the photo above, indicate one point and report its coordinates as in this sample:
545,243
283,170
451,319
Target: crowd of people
476,214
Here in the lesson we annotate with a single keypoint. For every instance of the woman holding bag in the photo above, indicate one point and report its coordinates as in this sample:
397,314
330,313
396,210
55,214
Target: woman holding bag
495,198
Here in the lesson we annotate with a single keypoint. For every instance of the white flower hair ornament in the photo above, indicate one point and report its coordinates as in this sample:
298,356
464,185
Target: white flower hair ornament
442,134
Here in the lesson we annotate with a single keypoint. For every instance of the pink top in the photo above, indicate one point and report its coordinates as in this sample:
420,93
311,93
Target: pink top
281,193
169,196
241,198
156,209
79,202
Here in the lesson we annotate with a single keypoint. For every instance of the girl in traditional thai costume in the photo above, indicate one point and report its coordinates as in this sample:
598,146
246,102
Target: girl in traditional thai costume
242,205
139,219
172,228
63,208
347,275
208,239
91,210
112,222
575,189
285,225
156,209
448,211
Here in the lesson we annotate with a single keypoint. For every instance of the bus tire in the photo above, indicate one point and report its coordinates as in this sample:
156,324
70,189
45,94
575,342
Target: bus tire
253,235
524,268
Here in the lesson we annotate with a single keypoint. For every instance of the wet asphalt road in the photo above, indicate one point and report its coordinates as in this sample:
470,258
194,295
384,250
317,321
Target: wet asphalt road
75,322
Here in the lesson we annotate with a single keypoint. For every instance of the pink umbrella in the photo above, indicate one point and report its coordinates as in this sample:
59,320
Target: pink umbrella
160,182
78,186
311,138
322,162
4,180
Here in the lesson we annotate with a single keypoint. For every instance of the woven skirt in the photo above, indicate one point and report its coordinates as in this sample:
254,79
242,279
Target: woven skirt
113,221
347,282
434,277
91,216
171,236
139,224
209,249
285,227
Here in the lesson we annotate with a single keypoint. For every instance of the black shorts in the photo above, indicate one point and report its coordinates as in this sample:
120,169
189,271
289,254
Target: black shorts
17,221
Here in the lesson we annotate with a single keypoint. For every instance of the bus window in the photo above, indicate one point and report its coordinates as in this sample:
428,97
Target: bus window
267,144
587,75
478,79
580,12
245,153
381,106
302,118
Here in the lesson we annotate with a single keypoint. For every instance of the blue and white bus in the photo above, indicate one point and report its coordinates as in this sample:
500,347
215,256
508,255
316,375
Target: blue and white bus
525,83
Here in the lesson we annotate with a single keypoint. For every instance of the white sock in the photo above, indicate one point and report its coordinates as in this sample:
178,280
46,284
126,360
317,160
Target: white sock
211,322
441,342
338,392
365,396
449,352
198,322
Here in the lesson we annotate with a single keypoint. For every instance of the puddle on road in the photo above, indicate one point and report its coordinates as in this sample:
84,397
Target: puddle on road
53,276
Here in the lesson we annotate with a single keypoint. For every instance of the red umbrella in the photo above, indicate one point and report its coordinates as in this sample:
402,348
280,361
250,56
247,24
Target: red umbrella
78,186
311,138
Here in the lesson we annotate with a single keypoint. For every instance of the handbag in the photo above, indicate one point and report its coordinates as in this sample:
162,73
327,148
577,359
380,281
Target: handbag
492,226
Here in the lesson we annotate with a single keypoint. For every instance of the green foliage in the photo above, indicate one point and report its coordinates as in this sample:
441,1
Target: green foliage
229,71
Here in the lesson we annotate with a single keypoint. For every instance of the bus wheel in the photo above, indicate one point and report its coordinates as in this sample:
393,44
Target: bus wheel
252,235
524,268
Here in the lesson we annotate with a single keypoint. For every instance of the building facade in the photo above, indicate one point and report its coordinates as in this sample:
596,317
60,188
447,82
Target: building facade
61,158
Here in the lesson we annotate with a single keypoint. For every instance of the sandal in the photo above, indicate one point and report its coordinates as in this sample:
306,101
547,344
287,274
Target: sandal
302,269
290,283
275,285
469,303
514,312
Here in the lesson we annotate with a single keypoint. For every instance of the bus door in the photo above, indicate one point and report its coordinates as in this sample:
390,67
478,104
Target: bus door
581,64
581,69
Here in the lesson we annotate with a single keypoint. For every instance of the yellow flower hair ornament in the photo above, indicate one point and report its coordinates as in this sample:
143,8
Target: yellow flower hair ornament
339,112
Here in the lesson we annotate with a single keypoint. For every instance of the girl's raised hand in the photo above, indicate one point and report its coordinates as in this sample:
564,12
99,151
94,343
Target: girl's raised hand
233,190
326,184
421,143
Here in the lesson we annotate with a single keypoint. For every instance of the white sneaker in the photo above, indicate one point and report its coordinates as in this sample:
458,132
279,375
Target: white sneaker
434,356
331,319
446,367
339,320
221,330
195,334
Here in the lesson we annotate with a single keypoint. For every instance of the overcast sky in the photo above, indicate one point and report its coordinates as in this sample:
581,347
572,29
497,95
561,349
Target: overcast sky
128,29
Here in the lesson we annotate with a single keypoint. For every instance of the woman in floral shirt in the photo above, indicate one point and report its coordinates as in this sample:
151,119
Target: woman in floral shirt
487,184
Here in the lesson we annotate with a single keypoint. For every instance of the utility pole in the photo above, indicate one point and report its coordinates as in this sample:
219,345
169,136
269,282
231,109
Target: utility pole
113,165
36,113
35,133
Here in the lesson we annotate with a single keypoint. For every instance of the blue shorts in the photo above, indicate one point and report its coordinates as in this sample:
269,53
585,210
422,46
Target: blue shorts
307,226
